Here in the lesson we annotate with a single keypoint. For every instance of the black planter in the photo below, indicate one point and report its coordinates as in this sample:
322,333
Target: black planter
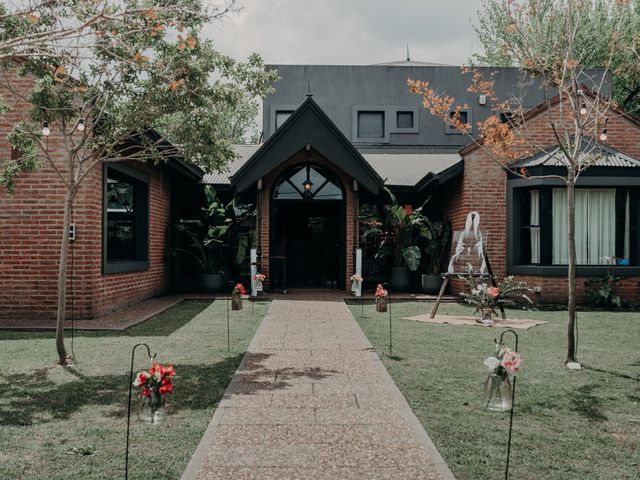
400,279
431,284
210,282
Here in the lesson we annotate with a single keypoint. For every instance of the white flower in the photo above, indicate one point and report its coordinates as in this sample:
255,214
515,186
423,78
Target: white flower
492,363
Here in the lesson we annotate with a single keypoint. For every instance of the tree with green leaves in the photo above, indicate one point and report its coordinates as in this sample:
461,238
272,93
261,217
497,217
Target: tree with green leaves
133,81
600,21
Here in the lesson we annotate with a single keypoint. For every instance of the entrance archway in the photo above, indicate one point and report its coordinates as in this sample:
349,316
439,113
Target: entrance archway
307,245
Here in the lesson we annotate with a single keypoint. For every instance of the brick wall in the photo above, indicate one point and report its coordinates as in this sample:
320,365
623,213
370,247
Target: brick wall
31,236
267,187
483,188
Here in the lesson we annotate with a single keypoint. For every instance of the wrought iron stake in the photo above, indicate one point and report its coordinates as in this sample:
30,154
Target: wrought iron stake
133,353
386,287
230,284
513,405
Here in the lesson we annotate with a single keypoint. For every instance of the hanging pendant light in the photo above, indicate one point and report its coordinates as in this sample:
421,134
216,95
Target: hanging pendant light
46,131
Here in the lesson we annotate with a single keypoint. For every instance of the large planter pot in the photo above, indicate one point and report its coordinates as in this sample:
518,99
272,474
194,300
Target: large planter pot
431,284
400,279
210,282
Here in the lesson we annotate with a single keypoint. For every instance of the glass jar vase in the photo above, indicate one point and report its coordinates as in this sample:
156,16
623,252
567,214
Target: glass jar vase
498,393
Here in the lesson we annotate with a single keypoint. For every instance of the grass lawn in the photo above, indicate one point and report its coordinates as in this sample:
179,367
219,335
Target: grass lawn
70,423
567,425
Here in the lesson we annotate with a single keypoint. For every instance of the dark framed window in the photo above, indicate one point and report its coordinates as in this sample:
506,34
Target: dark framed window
282,116
125,220
606,226
371,124
465,117
321,185
404,119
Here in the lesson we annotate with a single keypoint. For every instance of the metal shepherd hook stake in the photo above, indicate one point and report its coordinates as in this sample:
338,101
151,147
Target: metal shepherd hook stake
133,354
513,404
230,284
386,287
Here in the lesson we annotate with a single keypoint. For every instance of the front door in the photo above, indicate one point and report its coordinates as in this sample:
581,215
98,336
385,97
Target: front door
307,231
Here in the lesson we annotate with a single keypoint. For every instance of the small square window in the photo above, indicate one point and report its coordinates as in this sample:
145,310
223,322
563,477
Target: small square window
282,116
404,120
465,117
371,124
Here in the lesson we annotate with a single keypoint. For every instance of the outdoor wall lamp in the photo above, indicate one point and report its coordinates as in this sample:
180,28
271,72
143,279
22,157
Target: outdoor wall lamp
46,131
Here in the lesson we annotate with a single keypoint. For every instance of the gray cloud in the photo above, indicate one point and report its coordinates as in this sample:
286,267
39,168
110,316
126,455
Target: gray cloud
349,31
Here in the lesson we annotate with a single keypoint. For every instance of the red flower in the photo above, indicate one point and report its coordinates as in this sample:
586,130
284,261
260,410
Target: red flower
166,387
142,379
146,392
168,371
239,288
493,292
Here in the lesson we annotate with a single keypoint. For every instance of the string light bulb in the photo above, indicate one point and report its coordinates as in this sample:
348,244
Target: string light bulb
80,125
583,109
603,135
46,131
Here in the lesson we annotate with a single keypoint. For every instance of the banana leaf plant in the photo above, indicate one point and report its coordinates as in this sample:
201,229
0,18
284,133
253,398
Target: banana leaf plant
401,232
209,235
436,236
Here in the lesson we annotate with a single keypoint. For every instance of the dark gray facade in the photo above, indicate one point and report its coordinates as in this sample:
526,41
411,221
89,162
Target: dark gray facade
344,91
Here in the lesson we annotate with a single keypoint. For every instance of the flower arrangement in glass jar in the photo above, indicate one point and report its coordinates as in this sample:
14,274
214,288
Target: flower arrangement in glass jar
356,284
259,278
485,298
381,298
154,384
236,296
497,387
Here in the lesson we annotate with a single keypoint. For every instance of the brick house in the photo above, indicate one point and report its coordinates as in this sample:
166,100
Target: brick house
356,117
121,217
334,138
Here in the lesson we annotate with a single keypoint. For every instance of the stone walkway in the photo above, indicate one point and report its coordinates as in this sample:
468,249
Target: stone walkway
312,400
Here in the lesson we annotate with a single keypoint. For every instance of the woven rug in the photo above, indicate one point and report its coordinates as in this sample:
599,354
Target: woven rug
520,323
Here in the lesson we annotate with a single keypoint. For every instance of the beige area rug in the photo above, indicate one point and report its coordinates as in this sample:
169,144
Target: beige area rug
520,323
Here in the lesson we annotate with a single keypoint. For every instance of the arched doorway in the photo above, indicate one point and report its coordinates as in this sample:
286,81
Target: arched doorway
307,245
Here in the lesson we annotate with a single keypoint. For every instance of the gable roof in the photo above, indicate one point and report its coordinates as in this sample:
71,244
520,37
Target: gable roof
397,167
308,125
605,157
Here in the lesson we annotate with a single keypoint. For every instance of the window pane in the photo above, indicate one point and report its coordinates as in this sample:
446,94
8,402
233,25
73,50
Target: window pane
282,116
121,220
595,226
534,222
405,120
371,124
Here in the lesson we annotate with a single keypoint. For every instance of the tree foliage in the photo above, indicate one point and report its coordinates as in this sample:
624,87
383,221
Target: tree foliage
118,81
602,22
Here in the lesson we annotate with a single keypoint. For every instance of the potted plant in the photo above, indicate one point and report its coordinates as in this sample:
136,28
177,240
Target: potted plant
208,241
402,230
436,236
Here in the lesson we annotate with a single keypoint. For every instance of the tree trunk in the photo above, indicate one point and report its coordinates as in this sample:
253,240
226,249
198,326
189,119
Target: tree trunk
62,278
571,238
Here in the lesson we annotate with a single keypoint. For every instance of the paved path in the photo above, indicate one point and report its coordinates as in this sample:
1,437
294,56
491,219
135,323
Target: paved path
312,400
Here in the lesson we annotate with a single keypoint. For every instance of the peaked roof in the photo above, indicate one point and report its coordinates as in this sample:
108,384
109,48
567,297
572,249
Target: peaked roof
308,125
399,167
604,157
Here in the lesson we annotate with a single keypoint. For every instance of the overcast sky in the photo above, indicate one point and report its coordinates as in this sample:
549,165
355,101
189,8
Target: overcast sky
349,31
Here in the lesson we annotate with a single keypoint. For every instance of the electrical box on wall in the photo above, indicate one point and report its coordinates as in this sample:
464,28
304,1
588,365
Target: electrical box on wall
72,231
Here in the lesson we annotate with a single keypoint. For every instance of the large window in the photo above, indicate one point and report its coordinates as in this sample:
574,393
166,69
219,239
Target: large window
126,218
604,226
371,124
282,116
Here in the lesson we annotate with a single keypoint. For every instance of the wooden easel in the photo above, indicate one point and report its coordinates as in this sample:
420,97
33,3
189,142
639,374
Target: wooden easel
447,277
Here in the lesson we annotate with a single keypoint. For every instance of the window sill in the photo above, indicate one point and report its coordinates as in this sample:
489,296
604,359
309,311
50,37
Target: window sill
581,270
125,266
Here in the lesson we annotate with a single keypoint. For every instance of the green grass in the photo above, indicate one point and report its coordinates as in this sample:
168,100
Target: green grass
567,425
70,422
